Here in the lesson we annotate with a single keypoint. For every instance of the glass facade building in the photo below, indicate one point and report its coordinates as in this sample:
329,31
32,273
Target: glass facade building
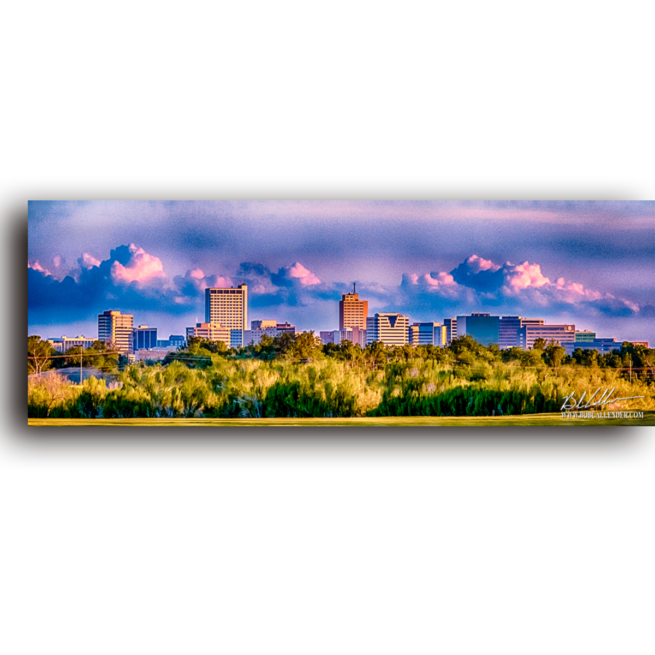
144,337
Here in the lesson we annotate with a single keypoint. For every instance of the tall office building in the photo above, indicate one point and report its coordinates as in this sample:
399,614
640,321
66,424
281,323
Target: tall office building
117,328
508,332
427,333
390,329
227,307
144,337
584,336
482,327
509,328
451,329
353,312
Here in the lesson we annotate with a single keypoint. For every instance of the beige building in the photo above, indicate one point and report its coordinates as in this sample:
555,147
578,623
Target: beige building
353,312
262,324
117,328
64,344
254,336
390,329
227,307
209,331
563,334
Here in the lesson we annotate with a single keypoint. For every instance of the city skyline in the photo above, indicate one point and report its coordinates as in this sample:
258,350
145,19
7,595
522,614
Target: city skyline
587,263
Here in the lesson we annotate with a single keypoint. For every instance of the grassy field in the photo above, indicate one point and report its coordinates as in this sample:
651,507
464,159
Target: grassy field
389,421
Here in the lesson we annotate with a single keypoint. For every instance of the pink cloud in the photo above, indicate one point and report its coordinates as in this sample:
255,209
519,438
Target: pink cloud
478,264
303,275
37,267
141,267
88,261
524,275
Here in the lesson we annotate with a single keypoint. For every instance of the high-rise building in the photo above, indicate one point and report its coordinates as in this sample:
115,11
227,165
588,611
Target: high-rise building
117,328
144,337
227,307
391,329
528,334
584,336
353,312
451,329
427,333
483,328
508,332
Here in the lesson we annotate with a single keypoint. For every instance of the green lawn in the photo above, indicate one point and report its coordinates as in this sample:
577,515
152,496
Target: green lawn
391,421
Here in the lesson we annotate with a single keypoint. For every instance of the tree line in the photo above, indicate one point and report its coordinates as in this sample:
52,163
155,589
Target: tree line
295,376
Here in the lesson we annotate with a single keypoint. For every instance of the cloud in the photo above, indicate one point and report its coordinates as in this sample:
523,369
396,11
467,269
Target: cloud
140,267
35,266
296,273
88,261
134,280
477,283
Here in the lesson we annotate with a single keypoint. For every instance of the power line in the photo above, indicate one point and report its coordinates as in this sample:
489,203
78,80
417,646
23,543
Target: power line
85,354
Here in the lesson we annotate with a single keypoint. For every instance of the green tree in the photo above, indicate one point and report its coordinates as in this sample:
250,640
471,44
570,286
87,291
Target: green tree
304,346
532,357
39,353
512,354
554,353
103,356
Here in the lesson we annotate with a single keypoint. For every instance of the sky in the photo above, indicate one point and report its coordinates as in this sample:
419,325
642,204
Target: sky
588,263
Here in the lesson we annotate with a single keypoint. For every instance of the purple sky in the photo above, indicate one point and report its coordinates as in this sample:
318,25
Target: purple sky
590,263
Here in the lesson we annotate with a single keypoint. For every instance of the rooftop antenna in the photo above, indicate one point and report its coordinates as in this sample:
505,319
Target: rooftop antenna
354,283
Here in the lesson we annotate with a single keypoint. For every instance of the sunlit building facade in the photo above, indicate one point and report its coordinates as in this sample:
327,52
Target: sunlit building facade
562,334
451,329
211,332
117,328
389,328
427,333
64,344
353,312
262,324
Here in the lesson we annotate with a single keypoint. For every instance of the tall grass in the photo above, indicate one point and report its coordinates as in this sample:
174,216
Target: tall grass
331,387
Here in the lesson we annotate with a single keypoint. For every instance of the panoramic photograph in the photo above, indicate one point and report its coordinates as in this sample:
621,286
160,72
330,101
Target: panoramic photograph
330,313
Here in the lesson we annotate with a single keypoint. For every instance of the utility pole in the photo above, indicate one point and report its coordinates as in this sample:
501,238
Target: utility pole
81,351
